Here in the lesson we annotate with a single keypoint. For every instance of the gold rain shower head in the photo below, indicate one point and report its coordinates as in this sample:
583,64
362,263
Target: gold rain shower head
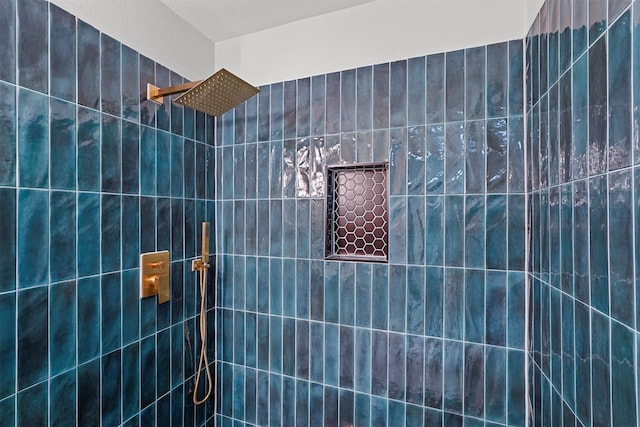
214,95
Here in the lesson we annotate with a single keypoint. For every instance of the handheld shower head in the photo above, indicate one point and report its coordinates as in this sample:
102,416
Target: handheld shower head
205,242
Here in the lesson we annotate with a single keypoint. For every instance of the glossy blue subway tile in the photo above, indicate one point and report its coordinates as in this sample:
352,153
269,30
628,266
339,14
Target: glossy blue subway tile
583,364
414,391
8,134
163,170
453,303
33,45
28,404
453,381
131,314
398,93
163,114
177,230
474,357
416,95
62,335
89,81
454,225
397,230
332,355
497,142
110,92
433,365
147,371
276,100
474,233
8,342
111,210
496,305
597,107
316,352
189,123
362,365
177,166
600,369
111,406
475,82
163,347
454,160
88,318
416,231
318,106
474,321
516,86
89,393
496,232
598,249
130,167
566,238
580,122
33,139
8,35
63,145
88,236
264,116
33,235
379,366
62,53
416,145
111,317
347,293
435,230
32,337
111,154
621,247
177,110
435,88
8,236
263,342
619,70
275,169
568,352
497,79
88,150
565,117
495,384
263,285
516,387
62,398
475,157
130,86
623,403
516,309
302,403
434,282
62,236
454,86
289,109
147,108
380,97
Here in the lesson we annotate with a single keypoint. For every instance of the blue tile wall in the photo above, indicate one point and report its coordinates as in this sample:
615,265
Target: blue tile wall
89,178
438,333
582,162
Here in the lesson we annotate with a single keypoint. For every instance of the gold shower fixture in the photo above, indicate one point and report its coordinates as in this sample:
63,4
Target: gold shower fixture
214,95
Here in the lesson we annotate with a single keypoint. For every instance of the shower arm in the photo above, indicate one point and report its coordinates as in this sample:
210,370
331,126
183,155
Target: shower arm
156,94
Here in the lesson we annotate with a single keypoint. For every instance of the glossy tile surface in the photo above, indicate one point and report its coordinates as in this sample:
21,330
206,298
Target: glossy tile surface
367,343
582,318
80,176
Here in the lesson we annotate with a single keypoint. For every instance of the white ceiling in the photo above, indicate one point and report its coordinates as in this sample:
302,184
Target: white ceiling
225,19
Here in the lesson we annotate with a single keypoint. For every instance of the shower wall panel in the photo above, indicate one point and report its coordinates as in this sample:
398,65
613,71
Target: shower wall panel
582,98
434,336
91,175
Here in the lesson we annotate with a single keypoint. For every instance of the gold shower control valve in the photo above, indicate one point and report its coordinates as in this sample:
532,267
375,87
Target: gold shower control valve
154,275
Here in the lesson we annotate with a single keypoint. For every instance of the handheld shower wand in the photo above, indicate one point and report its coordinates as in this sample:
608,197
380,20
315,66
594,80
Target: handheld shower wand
202,265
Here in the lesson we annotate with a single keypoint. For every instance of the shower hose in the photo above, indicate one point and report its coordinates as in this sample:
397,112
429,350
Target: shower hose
203,339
